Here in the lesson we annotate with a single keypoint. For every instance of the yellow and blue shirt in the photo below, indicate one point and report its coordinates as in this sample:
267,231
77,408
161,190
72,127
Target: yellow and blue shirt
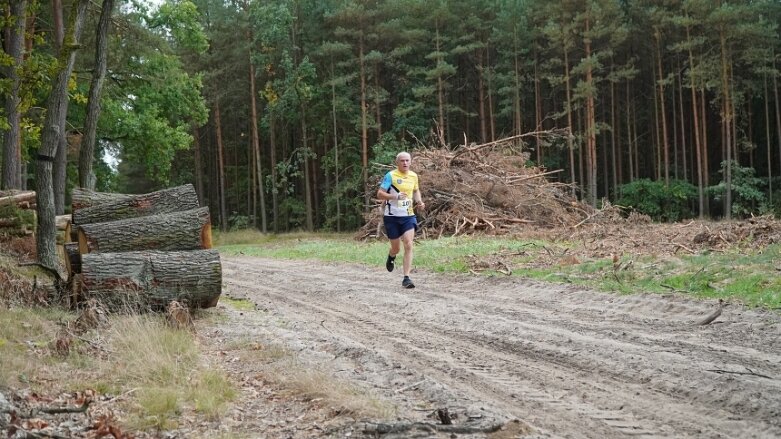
396,182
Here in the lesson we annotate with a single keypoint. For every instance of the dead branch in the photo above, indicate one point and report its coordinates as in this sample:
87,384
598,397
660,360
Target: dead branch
712,316
553,132
400,427
683,247
56,410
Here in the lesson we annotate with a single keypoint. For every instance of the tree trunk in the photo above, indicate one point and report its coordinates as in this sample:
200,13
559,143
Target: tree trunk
517,119
164,201
697,132
82,198
490,86
310,226
87,177
186,230
364,131
705,163
778,109
591,127
684,148
273,156
537,112
629,141
220,167
440,94
767,143
57,107
336,150
662,112
257,149
193,277
568,107
727,121
198,164
12,175
481,98
614,128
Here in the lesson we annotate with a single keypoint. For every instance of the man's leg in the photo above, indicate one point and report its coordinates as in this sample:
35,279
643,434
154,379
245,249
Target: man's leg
395,247
407,239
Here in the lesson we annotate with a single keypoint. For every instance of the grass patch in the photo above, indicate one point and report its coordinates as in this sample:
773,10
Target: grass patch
158,369
282,367
24,335
238,304
745,275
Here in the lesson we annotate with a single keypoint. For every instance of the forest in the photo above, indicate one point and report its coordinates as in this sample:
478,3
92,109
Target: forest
285,113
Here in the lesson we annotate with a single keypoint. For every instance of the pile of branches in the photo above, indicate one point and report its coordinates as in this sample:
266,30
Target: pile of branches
487,189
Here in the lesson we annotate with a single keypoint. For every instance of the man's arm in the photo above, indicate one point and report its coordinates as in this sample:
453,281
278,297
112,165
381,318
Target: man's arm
418,199
384,195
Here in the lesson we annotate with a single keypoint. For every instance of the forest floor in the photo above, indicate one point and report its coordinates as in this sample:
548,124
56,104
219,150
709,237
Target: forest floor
341,350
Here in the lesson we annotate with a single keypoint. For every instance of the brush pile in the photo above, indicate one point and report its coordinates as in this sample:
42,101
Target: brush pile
490,191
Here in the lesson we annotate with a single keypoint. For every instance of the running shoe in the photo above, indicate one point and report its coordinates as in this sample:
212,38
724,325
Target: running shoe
407,282
390,262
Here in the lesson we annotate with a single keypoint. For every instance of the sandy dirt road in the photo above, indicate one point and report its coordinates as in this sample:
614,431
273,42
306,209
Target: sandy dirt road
564,361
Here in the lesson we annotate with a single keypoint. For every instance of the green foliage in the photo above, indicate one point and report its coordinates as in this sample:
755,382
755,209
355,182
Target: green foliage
181,19
747,192
660,202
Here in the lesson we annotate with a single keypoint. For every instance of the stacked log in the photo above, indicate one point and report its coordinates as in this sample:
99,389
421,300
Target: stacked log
17,213
153,247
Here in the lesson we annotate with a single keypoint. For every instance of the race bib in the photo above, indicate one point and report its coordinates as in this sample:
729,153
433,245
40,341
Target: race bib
404,204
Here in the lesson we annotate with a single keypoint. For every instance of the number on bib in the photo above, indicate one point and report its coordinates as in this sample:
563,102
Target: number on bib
405,204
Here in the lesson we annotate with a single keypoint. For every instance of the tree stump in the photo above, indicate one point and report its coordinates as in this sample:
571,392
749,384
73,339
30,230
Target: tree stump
186,230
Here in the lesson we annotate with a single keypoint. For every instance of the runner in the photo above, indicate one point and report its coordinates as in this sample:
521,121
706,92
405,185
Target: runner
400,193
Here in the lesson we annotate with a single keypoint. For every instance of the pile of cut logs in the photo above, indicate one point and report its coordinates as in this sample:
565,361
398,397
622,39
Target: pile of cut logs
156,246
17,213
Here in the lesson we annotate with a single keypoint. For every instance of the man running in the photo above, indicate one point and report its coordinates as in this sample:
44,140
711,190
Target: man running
400,194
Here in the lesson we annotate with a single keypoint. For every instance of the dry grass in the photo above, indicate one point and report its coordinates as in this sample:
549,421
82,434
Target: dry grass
157,368
283,368
24,337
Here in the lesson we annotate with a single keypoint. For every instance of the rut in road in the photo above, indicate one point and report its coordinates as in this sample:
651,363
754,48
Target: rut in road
567,361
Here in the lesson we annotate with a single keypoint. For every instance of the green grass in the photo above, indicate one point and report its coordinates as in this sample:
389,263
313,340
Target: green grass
744,275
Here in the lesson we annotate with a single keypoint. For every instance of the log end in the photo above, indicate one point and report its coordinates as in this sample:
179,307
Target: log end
84,244
206,235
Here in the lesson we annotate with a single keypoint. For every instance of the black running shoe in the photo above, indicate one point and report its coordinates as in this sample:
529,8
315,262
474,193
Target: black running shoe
407,282
390,262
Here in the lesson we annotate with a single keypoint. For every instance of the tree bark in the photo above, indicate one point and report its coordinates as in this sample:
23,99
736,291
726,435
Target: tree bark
256,149
767,143
86,154
83,198
662,111
220,167
193,277
568,107
12,175
72,258
57,107
165,201
186,230
16,198
364,130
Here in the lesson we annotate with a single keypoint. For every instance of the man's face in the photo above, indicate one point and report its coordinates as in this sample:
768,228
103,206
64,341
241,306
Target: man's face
403,162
